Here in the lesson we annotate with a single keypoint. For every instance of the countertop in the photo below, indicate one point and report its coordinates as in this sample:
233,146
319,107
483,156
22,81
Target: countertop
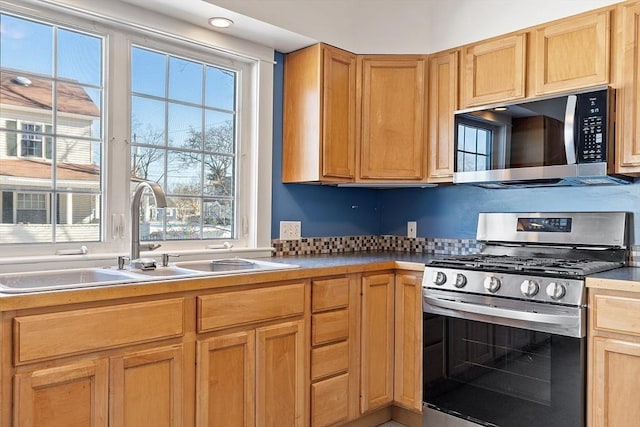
620,279
310,266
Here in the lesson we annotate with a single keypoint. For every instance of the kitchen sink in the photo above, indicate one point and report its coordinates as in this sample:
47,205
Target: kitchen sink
169,271
62,279
234,265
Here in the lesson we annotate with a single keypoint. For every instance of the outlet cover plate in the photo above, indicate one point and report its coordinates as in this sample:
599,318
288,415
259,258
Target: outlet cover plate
412,229
290,230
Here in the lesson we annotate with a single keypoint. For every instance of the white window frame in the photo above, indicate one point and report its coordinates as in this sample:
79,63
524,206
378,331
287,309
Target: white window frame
121,26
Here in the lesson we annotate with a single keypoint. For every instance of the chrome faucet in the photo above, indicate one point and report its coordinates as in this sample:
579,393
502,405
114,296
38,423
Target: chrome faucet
161,202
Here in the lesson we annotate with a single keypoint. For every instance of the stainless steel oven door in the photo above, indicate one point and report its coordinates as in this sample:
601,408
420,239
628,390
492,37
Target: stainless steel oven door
485,368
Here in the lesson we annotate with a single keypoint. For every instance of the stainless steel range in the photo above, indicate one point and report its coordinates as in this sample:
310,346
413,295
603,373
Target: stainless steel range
504,329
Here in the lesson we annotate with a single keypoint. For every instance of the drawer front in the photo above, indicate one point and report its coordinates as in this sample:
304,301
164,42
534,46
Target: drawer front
329,294
47,336
616,314
226,309
330,401
329,327
329,360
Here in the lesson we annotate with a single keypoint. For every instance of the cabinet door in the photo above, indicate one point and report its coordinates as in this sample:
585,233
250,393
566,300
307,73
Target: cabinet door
408,341
494,71
443,101
392,127
614,387
338,114
573,53
74,395
226,380
280,375
628,111
147,388
377,345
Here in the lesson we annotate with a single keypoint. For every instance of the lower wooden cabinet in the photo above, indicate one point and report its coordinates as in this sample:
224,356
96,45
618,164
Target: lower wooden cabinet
614,359
377,347
132,389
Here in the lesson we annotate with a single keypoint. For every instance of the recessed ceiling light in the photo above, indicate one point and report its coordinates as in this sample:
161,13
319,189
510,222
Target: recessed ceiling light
500,109
220,22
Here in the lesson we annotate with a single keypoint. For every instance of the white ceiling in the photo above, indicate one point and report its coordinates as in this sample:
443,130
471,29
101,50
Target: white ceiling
370,26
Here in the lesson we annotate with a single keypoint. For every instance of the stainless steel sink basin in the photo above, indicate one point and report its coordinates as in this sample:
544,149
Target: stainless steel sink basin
234,265
62,279
168,271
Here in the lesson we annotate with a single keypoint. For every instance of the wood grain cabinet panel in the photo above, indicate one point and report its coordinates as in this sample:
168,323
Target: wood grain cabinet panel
494,70
616,314
73,395
572,53
329,294
329,360
222,310
47,336
377,347
408,341
392,102
147,388
226,381
319,115
628,92
329,401
443,101
329,327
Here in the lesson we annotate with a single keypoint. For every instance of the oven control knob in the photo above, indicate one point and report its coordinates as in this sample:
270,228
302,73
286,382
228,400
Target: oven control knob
556,290
461,280
492,284
529,288
439,278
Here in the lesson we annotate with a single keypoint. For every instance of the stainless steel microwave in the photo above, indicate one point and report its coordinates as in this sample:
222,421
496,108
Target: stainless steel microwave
560,140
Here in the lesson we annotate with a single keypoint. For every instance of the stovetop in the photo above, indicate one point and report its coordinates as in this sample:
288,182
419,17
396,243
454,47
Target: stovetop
535,265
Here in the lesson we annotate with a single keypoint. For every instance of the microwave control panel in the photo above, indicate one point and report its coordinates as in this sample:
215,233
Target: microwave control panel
592,127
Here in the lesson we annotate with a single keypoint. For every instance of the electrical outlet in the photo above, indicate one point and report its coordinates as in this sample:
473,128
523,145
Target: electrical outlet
290,230
412,229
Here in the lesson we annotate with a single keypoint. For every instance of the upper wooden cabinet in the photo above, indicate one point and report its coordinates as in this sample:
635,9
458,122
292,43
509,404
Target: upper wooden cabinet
572,53
392,124
494,70
442,102
319,115
628,108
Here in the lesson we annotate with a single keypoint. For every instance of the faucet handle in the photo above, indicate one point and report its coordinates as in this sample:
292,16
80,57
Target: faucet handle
165,258
121,261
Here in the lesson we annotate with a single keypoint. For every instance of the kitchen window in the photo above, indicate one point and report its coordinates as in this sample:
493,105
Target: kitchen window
472,152
205,139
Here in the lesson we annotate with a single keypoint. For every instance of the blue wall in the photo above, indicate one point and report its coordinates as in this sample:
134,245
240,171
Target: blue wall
323,210
447,211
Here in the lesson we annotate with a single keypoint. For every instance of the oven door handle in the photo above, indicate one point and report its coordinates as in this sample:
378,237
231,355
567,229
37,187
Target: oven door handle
464,307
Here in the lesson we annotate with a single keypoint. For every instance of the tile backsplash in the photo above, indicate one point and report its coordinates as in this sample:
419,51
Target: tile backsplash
345,244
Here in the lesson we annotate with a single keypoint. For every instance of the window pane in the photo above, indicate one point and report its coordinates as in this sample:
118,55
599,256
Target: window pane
185,80
470,139
78,111
42,88
78,217
148,72
469,162
218,171
78,164
26,45
218,219
185,126
220,132
79,57
220,88
147,164
481,163
150,218
186,224
484,138
184,173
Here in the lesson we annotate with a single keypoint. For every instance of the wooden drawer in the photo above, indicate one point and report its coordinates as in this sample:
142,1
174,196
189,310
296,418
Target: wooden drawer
328,327
47,336
329,360
226,309
329,294
329,401
616,314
